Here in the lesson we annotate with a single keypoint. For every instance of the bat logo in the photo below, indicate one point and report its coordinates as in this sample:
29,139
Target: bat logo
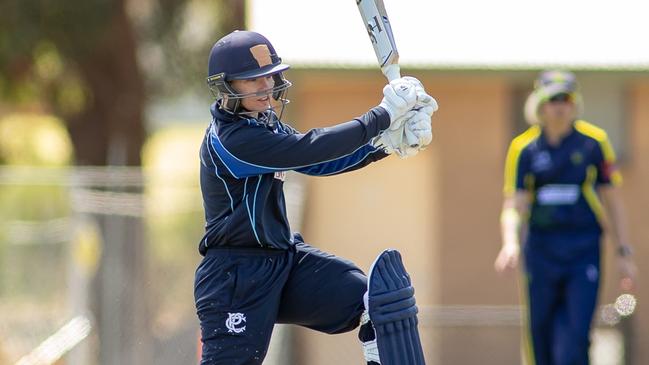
373,27
376,25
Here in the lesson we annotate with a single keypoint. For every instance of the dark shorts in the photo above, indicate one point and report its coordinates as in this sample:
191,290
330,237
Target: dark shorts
241,293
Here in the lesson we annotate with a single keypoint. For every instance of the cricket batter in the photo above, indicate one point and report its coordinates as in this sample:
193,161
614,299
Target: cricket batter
255,271
561,191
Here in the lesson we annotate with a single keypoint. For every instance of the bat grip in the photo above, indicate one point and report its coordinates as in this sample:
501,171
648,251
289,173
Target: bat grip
391,71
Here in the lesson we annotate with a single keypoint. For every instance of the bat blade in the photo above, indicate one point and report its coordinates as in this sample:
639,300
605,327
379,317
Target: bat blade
379,30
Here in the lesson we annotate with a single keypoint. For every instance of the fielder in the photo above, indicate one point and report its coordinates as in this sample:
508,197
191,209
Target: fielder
560,193
255,271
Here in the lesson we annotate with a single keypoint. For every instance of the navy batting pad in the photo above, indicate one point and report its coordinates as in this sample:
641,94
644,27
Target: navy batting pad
393,311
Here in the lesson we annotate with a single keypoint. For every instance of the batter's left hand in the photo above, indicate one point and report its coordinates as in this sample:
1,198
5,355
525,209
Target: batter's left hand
418,128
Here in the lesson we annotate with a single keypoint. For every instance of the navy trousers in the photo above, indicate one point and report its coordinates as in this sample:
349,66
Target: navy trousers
562,295
240,293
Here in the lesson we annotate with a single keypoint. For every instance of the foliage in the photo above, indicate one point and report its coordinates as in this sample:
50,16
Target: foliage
173,201
42,42
39,43
174,220
96,63
35,151
34,139
26,141
175,40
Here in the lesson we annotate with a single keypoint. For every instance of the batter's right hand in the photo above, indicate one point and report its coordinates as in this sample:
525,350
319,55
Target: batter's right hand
423,99
399,96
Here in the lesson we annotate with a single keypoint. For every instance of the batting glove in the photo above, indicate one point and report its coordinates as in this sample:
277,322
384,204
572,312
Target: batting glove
427,104
396,140
423,99
399,96
418,129
414,134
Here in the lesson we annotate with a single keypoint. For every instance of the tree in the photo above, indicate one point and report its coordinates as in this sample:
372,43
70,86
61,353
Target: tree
77,59
87,62
96,64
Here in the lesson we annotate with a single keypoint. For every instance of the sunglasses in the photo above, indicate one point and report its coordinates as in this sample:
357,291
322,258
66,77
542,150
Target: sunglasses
561,98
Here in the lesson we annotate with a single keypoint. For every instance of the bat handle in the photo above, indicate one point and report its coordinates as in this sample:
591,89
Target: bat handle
391,71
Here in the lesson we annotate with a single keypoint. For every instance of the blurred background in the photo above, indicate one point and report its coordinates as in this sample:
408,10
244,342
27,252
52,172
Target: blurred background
103,106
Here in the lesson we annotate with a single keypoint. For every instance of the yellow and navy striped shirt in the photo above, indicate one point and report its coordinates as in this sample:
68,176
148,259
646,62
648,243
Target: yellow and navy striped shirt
562,178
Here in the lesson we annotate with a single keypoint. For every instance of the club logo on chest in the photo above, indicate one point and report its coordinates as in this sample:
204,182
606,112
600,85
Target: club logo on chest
541,161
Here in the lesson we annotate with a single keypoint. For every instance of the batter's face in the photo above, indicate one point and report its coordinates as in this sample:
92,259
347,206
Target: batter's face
260,88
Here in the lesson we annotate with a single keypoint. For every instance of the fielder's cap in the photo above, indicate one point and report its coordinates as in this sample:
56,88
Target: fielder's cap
244,55
552,83
547,85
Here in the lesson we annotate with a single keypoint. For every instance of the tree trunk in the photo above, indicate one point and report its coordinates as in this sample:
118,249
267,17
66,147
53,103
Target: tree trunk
237,19
111,129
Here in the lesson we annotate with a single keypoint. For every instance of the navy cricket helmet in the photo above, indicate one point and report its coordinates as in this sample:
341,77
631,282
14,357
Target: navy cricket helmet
244,55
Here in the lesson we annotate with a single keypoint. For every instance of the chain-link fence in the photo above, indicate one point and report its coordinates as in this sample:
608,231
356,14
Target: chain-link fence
97,264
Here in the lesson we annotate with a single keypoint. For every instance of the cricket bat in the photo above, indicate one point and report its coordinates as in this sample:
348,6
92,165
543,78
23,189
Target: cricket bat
380,33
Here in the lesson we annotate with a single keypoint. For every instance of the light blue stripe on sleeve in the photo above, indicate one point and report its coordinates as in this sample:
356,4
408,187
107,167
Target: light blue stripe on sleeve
240,169
340,164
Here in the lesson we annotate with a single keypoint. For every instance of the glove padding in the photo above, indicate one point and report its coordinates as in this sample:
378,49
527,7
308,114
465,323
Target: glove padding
414,134
399,96
423,99
425,102
418,130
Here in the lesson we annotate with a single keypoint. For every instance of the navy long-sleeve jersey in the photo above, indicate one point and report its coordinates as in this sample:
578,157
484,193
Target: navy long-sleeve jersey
244,162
